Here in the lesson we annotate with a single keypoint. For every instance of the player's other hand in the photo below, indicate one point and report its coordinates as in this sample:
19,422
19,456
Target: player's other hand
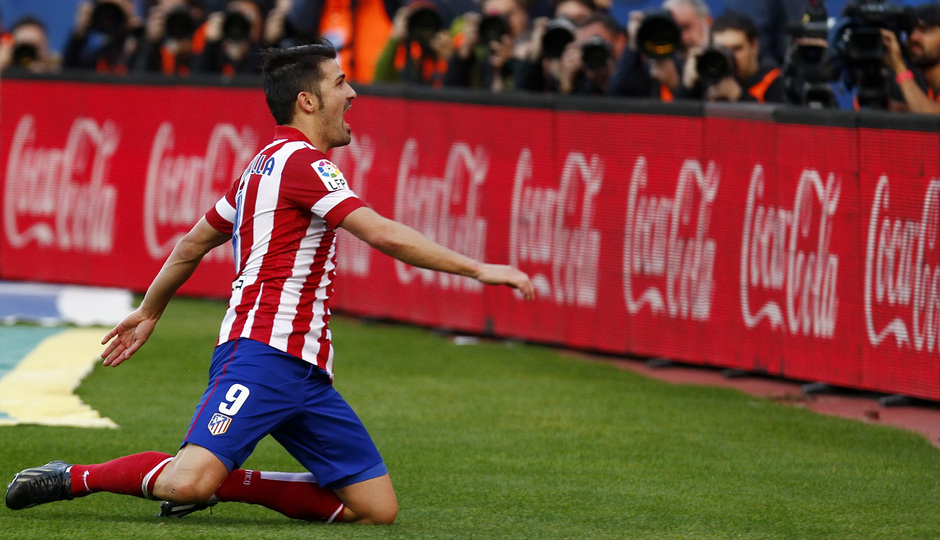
128,336
496,274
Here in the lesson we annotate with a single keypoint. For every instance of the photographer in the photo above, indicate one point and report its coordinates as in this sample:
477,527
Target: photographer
418,47
539,52
662,47
233,39
808,70
919,85
173,38
485,45
105,37
27,48
734,70
584,62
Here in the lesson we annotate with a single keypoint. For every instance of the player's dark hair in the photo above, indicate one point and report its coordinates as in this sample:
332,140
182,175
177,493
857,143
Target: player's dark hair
287,72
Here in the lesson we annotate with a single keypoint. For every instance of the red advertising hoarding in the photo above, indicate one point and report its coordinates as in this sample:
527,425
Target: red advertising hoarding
806,251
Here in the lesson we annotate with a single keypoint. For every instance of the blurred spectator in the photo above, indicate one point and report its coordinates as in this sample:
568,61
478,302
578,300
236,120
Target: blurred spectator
734,70
233,39
584,64
539,53
278,30
773,19
359,29
173,37
418,48
26,47
694,20
577,11
809,68
588,61
685,26
485,45
105,37
919,83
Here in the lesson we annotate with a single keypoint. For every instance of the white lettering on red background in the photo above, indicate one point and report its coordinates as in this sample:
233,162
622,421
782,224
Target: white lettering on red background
445,208
666,241
60,196
355,160
181,187
902,272
550,232
775,260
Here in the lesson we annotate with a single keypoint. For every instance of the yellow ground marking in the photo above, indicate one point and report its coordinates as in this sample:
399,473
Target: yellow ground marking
40,389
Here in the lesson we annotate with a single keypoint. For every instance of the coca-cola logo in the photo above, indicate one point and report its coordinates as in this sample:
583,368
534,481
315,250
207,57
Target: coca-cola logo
667,251
355,160
182,185
551,231
60,196
785,257
444,208
902,271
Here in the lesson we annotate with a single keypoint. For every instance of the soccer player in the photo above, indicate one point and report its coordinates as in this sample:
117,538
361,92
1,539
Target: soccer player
271,372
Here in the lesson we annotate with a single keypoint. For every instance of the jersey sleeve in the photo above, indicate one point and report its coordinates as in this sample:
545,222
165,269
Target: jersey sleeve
222,215
312,181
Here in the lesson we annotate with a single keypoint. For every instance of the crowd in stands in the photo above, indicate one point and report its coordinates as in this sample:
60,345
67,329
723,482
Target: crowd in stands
577,47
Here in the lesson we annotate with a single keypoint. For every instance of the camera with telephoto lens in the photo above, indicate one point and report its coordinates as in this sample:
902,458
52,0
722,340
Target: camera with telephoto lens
180,23
108,18
493,28
24,55
423,23
658,36
808,71
236,26
559,32
858,45
596,52
715,64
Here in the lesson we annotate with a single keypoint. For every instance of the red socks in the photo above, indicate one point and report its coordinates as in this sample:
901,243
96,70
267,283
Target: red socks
296,495
128,475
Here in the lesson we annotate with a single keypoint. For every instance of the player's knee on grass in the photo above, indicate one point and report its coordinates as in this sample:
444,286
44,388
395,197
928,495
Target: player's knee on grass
375,515
370,502
182,491
187,486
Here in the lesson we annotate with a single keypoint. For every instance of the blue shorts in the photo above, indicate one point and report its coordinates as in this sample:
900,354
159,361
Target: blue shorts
255,390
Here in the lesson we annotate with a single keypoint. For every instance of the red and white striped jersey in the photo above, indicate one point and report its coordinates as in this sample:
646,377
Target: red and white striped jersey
282,214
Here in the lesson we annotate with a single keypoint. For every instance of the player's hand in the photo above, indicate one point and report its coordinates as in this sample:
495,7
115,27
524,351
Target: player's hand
495,274
128,336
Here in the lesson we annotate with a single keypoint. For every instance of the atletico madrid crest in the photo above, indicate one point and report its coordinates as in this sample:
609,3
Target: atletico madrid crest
219,423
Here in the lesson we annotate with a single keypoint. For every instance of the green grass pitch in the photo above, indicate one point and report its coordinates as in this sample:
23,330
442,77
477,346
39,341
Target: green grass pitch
507,441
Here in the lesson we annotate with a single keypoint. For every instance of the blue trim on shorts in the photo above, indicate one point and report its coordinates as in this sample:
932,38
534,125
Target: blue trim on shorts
368,474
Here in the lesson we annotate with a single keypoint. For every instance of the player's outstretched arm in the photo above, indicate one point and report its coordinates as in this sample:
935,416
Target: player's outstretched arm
131,333
410,246
503,274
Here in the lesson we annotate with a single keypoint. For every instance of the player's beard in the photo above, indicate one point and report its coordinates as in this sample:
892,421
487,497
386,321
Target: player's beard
344,133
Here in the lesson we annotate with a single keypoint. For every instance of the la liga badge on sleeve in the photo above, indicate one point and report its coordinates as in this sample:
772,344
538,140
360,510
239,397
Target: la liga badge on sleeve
331,177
